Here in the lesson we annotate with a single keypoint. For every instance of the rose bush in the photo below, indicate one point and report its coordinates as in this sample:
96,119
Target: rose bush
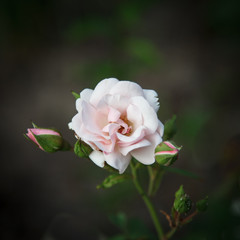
118,120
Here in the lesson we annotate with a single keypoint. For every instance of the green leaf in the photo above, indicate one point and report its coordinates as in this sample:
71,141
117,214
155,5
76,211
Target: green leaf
170,128
202,204
81,149
76,95
113,179
181,172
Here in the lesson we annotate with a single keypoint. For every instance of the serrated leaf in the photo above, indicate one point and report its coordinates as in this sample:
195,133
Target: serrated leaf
170,128
113,179
76,95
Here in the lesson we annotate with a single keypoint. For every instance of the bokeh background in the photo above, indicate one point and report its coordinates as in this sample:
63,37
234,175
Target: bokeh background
188,51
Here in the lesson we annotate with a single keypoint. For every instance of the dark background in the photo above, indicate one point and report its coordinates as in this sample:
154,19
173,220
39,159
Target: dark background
188,51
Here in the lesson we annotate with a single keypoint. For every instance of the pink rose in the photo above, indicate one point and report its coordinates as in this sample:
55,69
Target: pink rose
118,120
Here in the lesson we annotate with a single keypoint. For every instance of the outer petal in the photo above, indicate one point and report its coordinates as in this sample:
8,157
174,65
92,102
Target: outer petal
92,119
115,101
127,89
152,98
150,120
146,155
42,131
76,123
140,144
86,94
98,158
160,128
102,89
118,161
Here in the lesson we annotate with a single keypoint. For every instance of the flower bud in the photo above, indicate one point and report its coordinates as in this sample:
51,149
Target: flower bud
81,149
48,140
182,202
166,153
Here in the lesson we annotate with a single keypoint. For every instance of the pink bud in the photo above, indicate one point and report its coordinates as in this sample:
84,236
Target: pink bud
39,131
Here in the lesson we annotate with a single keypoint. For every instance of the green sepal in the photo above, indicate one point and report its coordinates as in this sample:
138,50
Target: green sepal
202,204
34,125
179,192
81,149
76,95
113,179
170,128
182,202
109,168
166,160
50,143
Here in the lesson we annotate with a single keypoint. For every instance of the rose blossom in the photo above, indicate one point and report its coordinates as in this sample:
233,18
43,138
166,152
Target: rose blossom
118,120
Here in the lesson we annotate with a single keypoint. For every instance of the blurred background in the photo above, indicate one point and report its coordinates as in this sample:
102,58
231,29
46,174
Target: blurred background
188,51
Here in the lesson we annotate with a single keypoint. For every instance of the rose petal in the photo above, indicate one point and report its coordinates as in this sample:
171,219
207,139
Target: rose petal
113,115
42,131
127,89
152,98
160,128
134,116
117,102
98,158
146,155
92,119
102,89
134,137
86,94
118,161
150,120
127,149
76,123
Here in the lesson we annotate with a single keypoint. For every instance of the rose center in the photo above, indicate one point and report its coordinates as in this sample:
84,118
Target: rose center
125,126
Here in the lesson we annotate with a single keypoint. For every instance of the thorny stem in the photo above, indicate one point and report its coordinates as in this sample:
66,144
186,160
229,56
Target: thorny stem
148,203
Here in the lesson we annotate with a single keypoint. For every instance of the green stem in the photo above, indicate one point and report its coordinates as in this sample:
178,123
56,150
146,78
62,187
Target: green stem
151,180
170,233
147,202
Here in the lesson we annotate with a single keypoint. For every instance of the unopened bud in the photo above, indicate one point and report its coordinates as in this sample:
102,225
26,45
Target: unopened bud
48,140
182,203
82,149
166,153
